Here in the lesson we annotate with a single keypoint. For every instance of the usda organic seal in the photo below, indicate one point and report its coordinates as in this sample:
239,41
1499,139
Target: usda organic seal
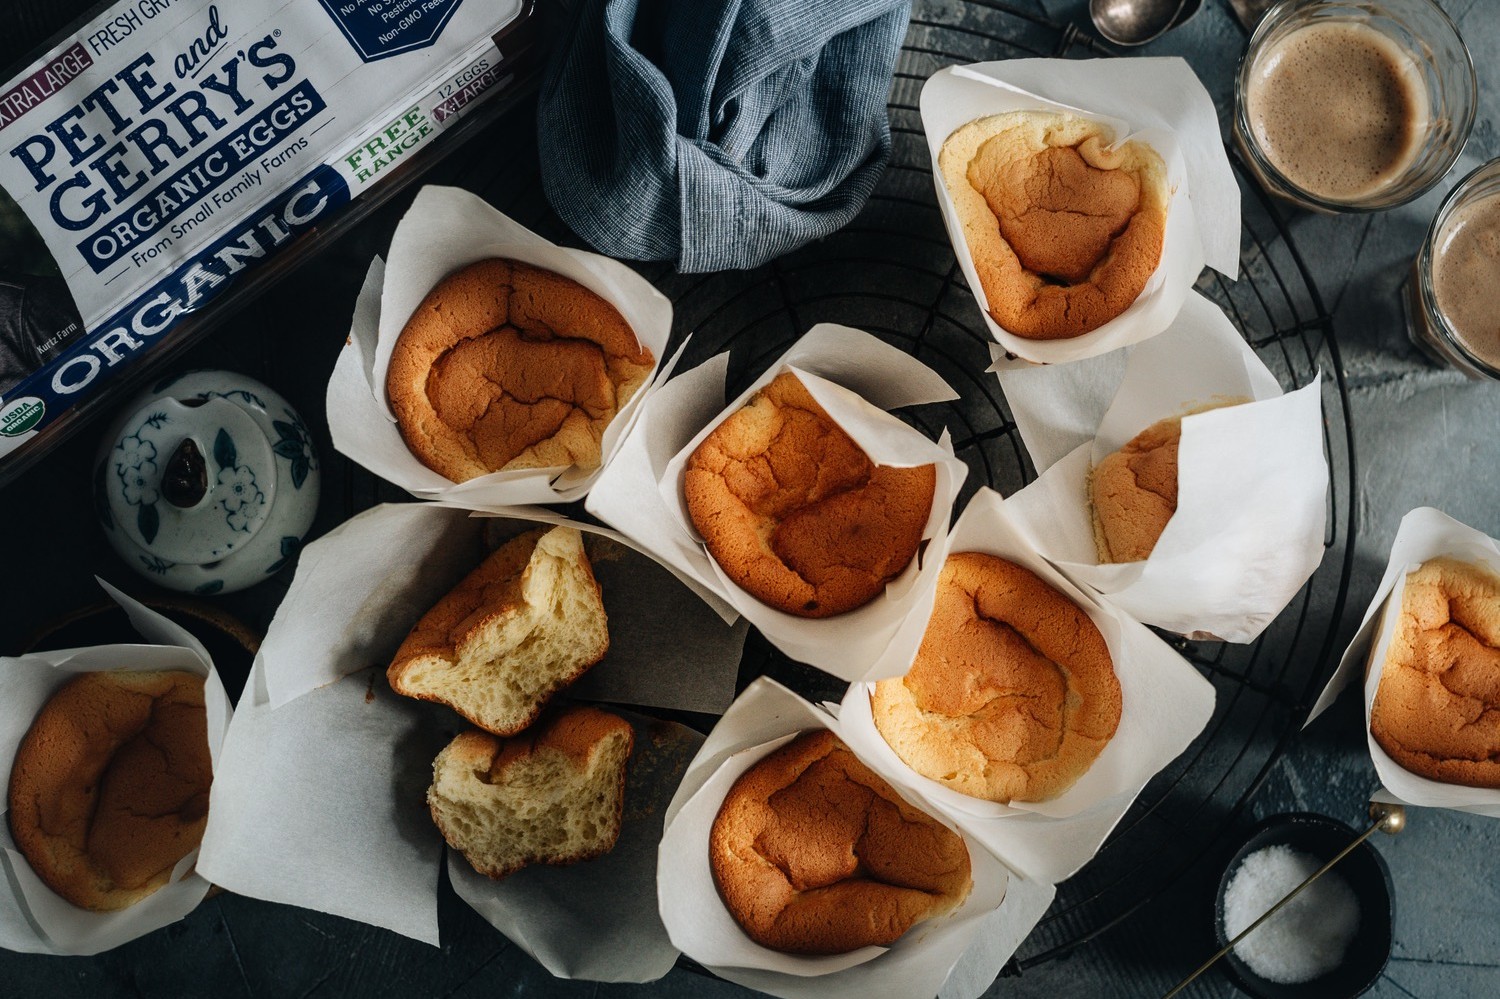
21,415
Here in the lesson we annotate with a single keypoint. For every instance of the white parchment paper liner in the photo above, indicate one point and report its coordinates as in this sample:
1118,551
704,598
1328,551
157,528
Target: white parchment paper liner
1252,485
321,803
1159,101
1199,356
445,229
595,920
855,377
977,938
1164,705
325,774
33,918
1424,534
360,588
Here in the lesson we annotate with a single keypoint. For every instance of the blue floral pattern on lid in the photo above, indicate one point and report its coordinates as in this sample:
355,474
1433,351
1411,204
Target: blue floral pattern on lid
135,467
235,491
238,496
207,483
295,444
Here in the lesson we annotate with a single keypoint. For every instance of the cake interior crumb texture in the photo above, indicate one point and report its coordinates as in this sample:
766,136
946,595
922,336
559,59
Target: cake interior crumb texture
547,798
524,624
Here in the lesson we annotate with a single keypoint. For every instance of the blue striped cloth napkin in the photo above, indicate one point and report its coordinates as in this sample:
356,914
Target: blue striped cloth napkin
717,133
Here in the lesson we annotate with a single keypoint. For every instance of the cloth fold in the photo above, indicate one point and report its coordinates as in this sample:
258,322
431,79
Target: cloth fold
720,134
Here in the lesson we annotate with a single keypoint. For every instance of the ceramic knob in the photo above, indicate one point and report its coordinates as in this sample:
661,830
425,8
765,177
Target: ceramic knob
207,483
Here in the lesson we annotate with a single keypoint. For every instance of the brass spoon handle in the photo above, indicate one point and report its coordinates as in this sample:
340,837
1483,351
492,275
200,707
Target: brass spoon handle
1390,818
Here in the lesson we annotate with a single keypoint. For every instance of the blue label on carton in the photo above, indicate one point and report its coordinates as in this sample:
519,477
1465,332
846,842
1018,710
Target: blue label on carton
380,28
199,280
211,180
168,146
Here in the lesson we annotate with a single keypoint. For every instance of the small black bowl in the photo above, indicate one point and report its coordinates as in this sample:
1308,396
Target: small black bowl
1367,876
230,642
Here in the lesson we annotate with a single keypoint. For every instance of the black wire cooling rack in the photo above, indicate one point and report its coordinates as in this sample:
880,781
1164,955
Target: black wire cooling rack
892,272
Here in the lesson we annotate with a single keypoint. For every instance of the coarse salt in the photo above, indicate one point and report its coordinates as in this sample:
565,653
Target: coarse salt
1308,937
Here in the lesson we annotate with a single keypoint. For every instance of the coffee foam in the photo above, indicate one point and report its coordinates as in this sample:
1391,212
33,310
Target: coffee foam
1338,108
1465,267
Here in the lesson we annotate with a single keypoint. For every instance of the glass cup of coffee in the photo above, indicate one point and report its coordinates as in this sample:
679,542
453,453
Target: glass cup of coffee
1353,106
1450,294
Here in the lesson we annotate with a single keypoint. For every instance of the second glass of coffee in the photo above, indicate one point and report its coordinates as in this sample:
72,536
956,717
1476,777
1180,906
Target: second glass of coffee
1450,294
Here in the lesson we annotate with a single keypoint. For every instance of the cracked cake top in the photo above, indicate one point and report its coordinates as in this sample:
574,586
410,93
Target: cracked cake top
507,366
795,513
1065,229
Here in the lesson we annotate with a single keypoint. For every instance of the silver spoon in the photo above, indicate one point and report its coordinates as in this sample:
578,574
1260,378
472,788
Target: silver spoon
1136,22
